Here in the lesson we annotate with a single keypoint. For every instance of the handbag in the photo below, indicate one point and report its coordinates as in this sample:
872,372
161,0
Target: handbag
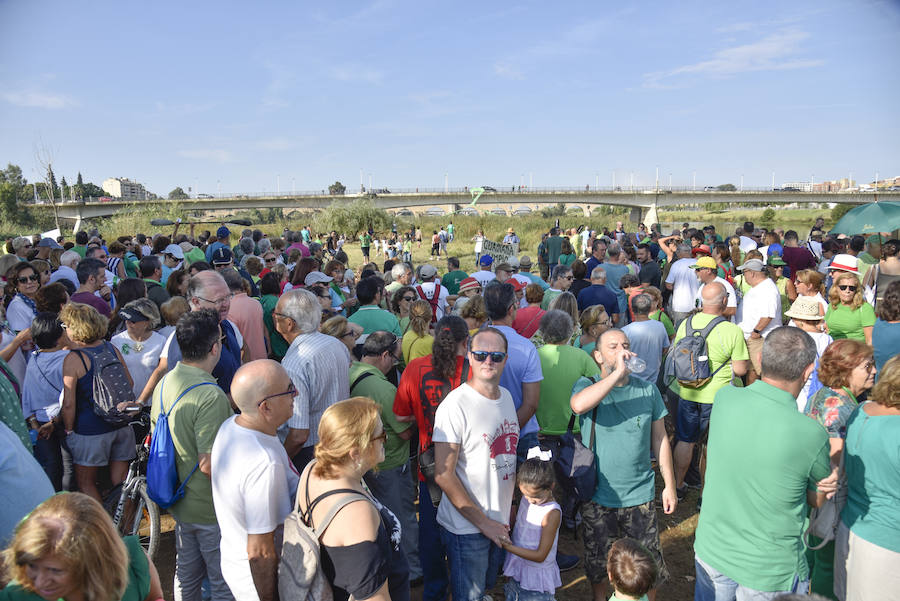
824,520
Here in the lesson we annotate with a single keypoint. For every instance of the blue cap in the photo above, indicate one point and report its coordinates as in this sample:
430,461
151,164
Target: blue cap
223,232
486,259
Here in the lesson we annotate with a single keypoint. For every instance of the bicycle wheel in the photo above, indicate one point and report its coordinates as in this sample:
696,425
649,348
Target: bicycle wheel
147,527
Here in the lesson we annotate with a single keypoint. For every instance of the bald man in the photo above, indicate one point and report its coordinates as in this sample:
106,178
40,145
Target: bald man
253,479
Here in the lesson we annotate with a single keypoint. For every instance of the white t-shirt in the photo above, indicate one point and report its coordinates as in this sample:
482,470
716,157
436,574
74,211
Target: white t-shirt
428,289
487,432
684,285
140,363
822,340
253,486
732,297
484,277
763,300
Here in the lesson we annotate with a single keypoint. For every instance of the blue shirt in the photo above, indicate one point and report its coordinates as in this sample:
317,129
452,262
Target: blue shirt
614,273
885,341
522,366
598,294
648,339
42,385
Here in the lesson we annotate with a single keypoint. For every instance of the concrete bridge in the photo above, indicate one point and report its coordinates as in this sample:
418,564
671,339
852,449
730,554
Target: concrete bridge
643,202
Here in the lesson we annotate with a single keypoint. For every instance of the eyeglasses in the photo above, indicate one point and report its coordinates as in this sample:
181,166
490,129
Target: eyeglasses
27,246
218,302
291,391
282,315
272,260
382,437
496,356
350,334
409,299
569,277
24,280
849,287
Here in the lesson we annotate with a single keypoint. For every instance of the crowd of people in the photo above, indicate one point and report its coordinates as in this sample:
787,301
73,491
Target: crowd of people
417,420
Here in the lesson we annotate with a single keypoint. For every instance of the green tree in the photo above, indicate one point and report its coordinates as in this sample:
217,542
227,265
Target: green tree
352,218
337,189
726,188
63,188
79,187
9,208
93,191
768,215
51,178
839,211
178,194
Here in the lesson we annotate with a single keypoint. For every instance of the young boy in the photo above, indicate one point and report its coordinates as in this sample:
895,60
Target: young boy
631,570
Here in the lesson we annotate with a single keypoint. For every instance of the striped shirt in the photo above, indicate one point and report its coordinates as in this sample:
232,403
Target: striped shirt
319,367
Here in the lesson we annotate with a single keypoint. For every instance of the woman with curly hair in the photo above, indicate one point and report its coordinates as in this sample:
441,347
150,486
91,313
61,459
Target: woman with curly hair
401,301
68,548
848,314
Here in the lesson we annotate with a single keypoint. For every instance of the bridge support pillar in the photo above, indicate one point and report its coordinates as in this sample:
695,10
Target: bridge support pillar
652,216
77,224
635,215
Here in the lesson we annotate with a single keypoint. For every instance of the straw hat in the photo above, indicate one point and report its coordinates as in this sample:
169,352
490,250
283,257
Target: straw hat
805,307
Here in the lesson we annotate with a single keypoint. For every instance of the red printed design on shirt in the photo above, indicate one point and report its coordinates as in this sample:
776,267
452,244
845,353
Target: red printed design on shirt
502,443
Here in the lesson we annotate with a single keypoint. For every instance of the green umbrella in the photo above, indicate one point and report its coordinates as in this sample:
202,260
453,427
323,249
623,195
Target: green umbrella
871,218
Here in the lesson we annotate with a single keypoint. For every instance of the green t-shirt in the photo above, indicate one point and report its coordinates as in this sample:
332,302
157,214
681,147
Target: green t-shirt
562,366
725,344
365,240
81,250
137,589
373,318
872,462
377,388
549,295
763,455
615,597
194,423
415,346
659,315
567,259
622,447
11,405
279,344
554,249
451,281
844,322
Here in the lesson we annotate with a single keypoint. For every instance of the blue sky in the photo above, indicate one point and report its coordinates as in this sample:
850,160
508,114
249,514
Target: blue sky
244,97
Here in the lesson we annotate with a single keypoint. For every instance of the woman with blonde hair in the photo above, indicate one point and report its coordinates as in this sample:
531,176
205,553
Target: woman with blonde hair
811,283
344,330
361,554
68,548
848,314
594,321
92,441
657,313
475,313
417,340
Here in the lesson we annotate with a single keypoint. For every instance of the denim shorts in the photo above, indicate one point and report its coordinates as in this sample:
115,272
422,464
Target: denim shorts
97,450
692,420
515,592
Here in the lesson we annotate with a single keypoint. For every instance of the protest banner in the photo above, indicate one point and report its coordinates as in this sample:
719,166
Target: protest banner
498,251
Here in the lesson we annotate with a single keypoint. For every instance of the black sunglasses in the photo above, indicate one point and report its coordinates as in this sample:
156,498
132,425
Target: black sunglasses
842,287
408,299
496,356
24,280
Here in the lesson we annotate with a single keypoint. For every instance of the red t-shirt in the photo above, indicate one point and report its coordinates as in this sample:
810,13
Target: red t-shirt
798,259
419,393
527,321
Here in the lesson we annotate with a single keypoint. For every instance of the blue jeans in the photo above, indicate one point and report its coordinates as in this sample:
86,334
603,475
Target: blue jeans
474,564
712,585
431,550
197,557
396,490
515,592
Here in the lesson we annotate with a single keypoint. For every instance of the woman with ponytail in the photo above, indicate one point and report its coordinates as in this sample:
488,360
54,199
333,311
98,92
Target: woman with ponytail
417,340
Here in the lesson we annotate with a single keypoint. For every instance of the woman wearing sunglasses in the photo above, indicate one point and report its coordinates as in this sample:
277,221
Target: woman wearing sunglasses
848,314
23,283
401,301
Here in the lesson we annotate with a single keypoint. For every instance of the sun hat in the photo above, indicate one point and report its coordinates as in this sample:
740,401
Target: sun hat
805,307
845,263
48,243
752,265
525,262
469,284
705,263
510,231
175,251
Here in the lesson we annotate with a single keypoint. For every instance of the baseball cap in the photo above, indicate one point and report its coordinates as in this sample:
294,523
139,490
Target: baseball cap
486,259
427,271
133,315
469,284
516,284
845,263
701,249
705,263
175,251
221,256
48,243
776,261
223,232
316,277
752,265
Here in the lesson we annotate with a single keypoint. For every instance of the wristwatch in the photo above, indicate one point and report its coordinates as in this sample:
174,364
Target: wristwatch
755,331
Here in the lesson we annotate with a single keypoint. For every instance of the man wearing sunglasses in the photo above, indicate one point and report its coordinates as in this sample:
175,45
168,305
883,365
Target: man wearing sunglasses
247,457
475,463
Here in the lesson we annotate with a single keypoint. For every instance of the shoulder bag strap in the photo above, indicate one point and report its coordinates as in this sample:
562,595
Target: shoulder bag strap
464,376
352,497
37,365
361,377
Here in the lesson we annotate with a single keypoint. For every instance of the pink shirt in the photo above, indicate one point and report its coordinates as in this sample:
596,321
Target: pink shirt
304,251
247,314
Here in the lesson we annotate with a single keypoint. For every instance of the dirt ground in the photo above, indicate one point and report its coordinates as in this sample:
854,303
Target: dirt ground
676,534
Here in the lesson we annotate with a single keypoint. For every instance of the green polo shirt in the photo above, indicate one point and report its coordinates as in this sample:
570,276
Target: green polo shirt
451,281
562,366
194,423
763,456
377,388
844,322
724,344
373,318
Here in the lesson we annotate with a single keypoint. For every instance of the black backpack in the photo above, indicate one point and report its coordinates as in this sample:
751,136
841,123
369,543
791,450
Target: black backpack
688,361
110,385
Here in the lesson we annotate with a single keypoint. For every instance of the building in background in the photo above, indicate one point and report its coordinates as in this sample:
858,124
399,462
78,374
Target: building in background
125,189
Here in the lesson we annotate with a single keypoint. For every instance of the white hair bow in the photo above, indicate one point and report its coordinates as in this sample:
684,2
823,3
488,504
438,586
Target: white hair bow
538,452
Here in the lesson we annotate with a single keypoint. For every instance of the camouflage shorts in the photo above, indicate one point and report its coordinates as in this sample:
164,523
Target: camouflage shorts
602,526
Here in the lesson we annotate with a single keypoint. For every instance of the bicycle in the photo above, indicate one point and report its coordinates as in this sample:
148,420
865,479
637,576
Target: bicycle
134,513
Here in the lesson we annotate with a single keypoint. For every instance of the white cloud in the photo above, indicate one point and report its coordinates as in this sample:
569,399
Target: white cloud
41,100
217,155
776,52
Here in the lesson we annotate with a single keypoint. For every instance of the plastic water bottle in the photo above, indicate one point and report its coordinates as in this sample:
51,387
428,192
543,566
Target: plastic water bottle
635,364
33,434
